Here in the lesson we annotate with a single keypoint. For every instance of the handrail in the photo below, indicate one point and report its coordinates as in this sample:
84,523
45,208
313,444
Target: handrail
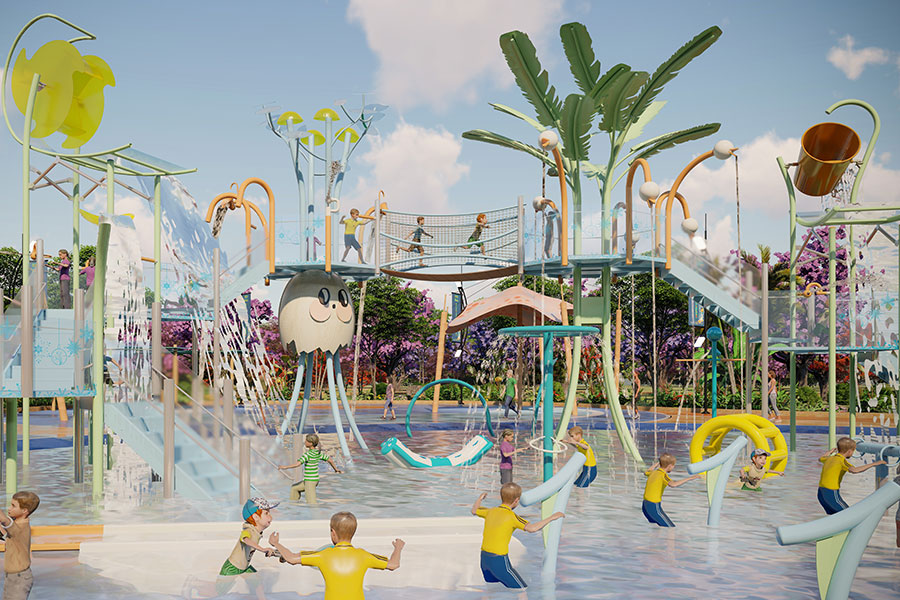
221,422
192,434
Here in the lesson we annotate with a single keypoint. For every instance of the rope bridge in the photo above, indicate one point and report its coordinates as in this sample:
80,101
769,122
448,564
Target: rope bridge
450,240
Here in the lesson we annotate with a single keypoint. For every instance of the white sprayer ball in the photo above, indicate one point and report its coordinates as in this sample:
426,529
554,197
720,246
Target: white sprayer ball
649,190
548,139
722,149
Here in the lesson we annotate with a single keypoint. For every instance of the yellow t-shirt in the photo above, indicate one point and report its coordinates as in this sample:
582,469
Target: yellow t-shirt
343,567
833,471
350,225
499,524
588,452
657,480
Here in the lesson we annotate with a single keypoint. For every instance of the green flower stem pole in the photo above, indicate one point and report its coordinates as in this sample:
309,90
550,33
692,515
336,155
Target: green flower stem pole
76,227
714,334
110,187
335,216
832,340
156,309
792,212
98,352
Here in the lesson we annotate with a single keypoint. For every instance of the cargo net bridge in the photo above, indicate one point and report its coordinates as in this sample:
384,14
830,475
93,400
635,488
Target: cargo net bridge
491,240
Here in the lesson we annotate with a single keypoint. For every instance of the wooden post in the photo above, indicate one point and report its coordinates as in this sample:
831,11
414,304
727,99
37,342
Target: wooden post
439,366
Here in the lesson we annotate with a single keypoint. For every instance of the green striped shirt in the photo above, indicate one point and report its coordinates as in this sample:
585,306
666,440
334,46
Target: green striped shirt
310,461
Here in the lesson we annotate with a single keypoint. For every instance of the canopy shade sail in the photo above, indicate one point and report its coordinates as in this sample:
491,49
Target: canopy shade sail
517,302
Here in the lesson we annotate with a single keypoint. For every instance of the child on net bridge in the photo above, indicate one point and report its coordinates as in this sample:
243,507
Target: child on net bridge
480,226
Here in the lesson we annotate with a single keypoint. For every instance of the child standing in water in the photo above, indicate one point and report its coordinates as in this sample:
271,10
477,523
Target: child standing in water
589,471
480,225
834,465
657,481
310,463
753,473
18,579
350,242
507,450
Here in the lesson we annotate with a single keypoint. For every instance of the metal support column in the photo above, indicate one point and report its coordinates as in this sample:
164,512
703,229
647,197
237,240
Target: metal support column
764,341
168,438
244,469
98,357
832,341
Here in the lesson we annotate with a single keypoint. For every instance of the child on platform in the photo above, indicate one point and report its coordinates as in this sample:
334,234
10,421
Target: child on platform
416,237
589,471
310,463
657,481
16,527
480,226
350,242
342,566
499,524
753,473
834,465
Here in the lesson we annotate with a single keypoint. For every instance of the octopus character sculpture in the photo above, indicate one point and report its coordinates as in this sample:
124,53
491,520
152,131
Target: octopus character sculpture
316,314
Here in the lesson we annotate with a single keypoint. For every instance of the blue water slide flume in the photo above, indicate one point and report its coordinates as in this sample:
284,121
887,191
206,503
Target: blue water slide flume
841,539
717,469
560,484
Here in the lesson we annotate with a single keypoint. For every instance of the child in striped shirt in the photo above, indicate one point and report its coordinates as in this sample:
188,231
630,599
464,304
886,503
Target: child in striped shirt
310,462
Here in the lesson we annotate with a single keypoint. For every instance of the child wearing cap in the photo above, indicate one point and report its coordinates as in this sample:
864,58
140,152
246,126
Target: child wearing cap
657,481
499,524
834,465
589,470
342,566
310,463
256,518
753,473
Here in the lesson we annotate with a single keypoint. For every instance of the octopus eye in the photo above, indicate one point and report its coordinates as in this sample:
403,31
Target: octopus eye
343,297
324,296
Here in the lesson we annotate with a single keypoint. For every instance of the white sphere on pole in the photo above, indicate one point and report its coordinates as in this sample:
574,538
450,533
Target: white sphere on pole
722,149
548,139
538,203
690,226
649,190
635,237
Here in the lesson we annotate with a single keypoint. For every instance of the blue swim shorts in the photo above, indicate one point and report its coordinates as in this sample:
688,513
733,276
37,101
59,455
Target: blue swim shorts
655,514
497,569
831,500
350,241
588,475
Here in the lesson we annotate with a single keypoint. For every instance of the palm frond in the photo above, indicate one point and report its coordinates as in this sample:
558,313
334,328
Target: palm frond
670,68
616,101
668,140
636,129
530,76
519,115
577,45
575,126
489,137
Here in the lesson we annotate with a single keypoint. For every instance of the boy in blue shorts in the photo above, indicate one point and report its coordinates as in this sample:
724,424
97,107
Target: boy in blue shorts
833,468
589,471
657,481
499,524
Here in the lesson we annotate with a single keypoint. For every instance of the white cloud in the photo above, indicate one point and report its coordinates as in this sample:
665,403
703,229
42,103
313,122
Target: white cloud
720,238
415,166
436,52
851,61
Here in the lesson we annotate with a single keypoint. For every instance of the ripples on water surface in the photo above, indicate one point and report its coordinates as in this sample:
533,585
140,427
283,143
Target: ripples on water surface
608,549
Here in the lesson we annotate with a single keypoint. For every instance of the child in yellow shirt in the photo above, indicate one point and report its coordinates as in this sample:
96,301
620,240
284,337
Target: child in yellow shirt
834,465
499,524
589,471
657,481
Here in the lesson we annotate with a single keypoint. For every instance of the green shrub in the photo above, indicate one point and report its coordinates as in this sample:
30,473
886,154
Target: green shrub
808,398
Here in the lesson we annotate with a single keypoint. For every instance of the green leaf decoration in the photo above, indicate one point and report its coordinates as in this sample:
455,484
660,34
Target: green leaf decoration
575,126
669,69
530,77
584,66
592,171
636,129
489,137
608,79
511,111
663,142
618,98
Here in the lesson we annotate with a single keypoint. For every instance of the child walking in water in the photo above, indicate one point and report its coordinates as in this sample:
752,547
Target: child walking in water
310,463
753,473
389,401
773,396
657,481
350,242
480,225
507,450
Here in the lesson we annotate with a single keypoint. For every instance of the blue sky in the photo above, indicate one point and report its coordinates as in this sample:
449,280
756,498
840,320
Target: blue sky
190,76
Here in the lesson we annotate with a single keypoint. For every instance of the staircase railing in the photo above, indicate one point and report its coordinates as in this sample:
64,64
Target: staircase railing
747,293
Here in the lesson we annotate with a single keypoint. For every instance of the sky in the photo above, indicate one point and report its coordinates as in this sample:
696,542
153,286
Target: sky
190,77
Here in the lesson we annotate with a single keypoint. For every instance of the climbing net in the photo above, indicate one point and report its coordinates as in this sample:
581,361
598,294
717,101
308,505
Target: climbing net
452,240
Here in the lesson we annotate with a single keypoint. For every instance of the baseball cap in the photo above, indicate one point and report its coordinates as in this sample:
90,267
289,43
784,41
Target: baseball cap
761,452
254,504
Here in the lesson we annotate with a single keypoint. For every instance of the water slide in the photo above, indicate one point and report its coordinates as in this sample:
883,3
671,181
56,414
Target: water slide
472,451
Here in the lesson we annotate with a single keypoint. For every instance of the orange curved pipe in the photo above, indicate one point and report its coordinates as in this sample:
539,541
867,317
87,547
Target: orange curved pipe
814,286
368,215
658,205
269,227
564,212
645,166
673,194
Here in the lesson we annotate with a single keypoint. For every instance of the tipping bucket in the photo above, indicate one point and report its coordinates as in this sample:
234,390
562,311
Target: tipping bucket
826,150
